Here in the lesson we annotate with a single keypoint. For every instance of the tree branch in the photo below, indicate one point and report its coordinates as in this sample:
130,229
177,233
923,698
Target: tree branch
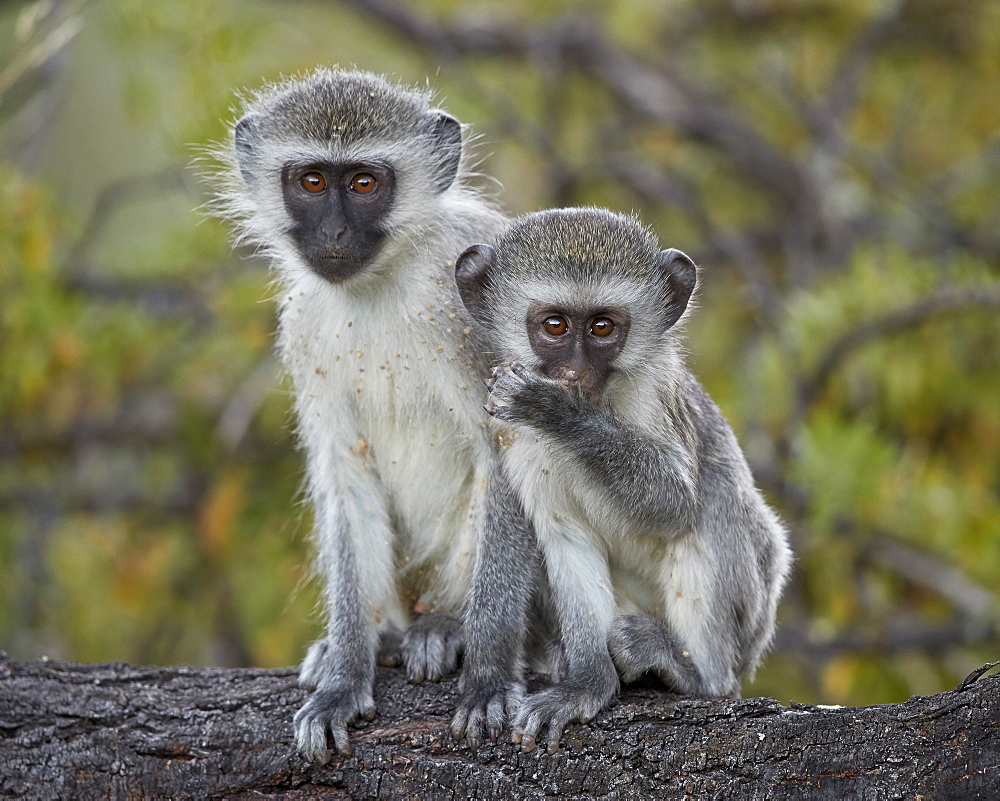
118,731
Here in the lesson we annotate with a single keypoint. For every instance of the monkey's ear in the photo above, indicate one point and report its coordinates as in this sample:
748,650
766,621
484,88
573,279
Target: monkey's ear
247,137
472,274
447,133
681,276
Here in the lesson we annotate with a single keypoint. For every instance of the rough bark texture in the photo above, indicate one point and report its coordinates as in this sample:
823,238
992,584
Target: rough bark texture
118,731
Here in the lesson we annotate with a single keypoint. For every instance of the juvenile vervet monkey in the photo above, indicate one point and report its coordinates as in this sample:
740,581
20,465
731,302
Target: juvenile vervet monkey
661,554
357,191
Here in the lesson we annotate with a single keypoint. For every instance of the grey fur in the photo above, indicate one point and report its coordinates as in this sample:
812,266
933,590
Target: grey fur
498,623
385,366
431,647
661,553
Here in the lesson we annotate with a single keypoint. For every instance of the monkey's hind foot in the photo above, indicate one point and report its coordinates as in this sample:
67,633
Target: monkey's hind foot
557,706
330,712
390,646
484,710
432,646
641,644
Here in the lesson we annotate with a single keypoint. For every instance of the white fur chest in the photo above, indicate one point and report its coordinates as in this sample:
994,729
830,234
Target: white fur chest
383,387
387,362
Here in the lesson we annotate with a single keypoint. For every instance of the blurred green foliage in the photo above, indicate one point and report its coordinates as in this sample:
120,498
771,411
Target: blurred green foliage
149,506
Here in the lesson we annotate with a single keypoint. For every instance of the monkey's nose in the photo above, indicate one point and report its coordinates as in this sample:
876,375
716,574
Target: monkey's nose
568,376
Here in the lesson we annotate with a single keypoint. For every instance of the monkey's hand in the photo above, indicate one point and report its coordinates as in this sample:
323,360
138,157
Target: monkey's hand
332,706
520,396
432,646
329,710
484,708
573,699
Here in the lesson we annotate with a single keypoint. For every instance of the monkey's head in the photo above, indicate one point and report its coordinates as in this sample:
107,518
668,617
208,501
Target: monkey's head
577,294
335,164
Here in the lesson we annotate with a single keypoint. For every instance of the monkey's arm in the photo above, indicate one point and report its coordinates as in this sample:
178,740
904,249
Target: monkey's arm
354,545
651,481
585,602
496,616
341,667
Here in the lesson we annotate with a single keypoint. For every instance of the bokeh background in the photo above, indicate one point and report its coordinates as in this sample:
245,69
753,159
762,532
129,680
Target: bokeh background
833,166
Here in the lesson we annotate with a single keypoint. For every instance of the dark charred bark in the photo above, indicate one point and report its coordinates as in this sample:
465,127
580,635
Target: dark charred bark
117,731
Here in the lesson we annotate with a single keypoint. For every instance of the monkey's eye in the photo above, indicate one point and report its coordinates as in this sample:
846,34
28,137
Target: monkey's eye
363,183
555,325
313,182
602,327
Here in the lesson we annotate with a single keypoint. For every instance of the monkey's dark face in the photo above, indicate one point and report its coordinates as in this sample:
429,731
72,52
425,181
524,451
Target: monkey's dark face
339,213
578,344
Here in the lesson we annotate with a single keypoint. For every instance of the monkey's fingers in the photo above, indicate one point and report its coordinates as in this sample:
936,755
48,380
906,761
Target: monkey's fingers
415,671
338,730
310,739
389,659
431,647
311,727
434,656
526,728
414,650
513,699
483,709
338,727
495,717
474,730
460,723
496,410
527,742
330,712
556,726
520,371
390,643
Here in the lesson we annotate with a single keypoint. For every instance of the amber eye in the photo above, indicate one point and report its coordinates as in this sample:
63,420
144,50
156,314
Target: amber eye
363,183
555,325
313,182
602,327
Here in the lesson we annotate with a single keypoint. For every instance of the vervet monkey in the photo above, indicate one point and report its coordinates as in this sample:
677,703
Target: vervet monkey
356,189
661,554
